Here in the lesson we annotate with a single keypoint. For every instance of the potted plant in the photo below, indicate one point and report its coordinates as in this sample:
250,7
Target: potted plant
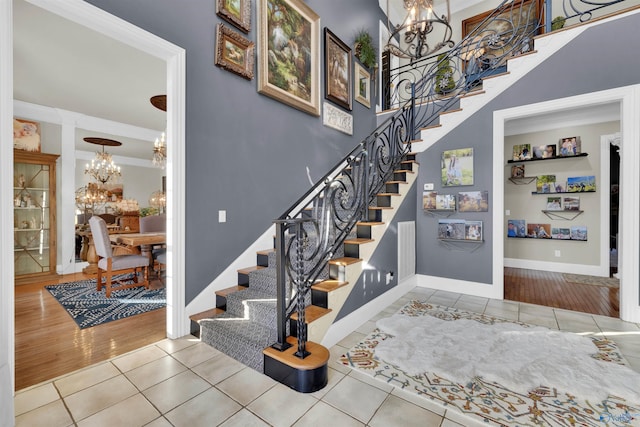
364,49
557,23
444,82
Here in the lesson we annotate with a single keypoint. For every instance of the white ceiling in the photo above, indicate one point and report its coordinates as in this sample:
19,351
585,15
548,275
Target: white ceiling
60,64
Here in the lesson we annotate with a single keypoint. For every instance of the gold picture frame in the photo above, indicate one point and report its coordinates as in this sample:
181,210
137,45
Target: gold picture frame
289,54
234,52
236,12
362,79
26,135
337,70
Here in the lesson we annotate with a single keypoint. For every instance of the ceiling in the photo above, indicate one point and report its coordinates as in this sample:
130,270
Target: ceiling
61,64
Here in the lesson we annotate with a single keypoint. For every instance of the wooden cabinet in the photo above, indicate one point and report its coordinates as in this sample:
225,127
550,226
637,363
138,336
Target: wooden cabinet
34,213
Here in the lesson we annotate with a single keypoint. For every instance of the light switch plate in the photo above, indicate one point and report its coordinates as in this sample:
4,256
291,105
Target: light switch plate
222,216
428,187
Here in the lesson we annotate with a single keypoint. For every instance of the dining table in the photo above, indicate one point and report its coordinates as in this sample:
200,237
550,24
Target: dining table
145,241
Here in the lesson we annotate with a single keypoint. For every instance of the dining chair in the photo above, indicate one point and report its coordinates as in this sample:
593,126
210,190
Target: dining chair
154,223
110,264
161,259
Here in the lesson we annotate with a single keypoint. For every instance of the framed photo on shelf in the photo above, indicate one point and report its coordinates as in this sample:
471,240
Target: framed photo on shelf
544,151
570,146
451,229
579,232
546,183
560,233
236,12
516,228
522,152
26,135
473,201
554,203
446,202
429,199
580,184
234,52
572,203
473,230
539,231
363,85
290,79
337,74
457,167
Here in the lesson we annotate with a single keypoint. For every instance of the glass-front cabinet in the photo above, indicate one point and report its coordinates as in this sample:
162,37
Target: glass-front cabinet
34,213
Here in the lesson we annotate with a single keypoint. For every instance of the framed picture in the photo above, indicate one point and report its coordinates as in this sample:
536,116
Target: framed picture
560,233
429,199
546,183
544,151
570,146
363,85
499,36
451,229
114,192
554,203
579,232
337,73
539,231
571,203
26,135
516,228
517,171
473,230
581,184
446,202
234,52
236,12
289,54
473,201
522,152
457,167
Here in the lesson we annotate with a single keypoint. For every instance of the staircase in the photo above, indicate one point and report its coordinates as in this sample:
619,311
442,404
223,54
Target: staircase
244,324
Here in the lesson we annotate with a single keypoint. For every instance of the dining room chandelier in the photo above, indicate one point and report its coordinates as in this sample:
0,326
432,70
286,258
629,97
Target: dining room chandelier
102,168
159,157
409,39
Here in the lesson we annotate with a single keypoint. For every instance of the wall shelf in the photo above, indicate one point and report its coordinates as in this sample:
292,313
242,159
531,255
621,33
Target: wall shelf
566,215
546,238
565,192
523,180
549,158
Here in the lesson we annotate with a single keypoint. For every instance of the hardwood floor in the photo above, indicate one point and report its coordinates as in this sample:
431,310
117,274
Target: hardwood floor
550,289
48,343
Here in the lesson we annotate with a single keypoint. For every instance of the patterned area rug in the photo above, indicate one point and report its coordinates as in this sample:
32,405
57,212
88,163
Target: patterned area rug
610,282
490,403
88,307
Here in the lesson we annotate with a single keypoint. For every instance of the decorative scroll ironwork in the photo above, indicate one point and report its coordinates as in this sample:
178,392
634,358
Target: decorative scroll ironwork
312,231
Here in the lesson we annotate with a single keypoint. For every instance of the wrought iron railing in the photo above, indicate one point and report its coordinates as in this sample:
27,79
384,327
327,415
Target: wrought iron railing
313,230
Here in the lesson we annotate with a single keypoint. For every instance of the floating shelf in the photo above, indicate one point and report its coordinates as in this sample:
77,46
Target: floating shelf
566,215
549,158
545,238
523,180
462,245
565,192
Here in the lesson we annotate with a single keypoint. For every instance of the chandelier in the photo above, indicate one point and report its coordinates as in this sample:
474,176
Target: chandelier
102,169
420,21
159,158
90,197
158,199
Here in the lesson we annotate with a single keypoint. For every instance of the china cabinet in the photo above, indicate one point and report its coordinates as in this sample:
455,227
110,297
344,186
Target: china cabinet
34,213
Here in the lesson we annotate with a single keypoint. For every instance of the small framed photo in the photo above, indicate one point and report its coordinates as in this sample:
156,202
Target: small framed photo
451,229
581,184
445,202
234,52
522,152
429,199
560,233
457,167
544,151
579,232
363,85
570,146
516,228
473,230
554,203
517,171
545,183
26,135
571,203
539,231
473,201
338,70
236,12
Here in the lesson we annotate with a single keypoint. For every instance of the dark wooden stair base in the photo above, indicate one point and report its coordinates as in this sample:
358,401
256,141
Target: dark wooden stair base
303,375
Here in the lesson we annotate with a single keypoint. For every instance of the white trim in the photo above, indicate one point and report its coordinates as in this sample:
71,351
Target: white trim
343,327
7,339
605,205
485,290
629,97
557,267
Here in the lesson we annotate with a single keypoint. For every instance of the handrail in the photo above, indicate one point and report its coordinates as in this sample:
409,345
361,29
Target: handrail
312,231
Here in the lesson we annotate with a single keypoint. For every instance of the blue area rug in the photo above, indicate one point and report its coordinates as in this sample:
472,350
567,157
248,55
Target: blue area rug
88,307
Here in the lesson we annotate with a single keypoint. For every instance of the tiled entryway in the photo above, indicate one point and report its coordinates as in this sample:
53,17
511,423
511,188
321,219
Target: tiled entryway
184,382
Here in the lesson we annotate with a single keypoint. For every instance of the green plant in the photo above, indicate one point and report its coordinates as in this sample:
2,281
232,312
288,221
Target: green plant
364,49
444,75
149,211
557,23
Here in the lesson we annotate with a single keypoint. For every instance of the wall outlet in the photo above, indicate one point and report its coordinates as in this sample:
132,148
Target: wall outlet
222,216
557,253
389,277
428,187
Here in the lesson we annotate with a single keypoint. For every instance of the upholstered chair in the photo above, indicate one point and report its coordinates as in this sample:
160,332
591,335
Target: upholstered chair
151,224
110,265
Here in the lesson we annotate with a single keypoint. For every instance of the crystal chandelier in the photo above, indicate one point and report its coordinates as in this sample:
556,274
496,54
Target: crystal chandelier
158,199
420,20
159,158
102,168
90,197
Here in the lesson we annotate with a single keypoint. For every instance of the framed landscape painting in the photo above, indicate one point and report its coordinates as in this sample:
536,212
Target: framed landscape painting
362,85
236,12
337,73
289,54
234,52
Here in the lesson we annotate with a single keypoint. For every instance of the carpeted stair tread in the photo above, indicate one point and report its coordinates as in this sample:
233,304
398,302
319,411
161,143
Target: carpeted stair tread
256,305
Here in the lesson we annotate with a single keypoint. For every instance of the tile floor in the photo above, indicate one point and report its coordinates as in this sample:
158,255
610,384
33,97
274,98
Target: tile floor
187,383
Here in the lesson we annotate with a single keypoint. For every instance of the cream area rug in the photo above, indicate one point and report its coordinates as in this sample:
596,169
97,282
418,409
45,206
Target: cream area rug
500,372
610,282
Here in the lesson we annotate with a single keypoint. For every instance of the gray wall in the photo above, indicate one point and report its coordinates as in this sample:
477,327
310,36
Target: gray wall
245,153
587,64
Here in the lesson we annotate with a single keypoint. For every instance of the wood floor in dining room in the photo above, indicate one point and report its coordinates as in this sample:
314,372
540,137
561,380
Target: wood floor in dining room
48,343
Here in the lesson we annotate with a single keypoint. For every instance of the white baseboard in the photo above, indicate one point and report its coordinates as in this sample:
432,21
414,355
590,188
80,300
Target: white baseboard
558,267
343,327
485,290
